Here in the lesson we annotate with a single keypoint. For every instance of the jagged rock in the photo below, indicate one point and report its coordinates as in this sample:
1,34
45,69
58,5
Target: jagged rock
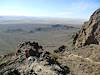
90,31
10,71
39,62
28,49
32,59
60,49
41,68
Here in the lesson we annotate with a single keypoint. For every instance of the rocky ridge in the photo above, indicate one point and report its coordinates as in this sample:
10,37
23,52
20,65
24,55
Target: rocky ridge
31,59
90,31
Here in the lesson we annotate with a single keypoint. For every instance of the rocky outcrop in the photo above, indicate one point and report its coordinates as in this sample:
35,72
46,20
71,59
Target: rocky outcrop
28,49
90,31
32,59
60,49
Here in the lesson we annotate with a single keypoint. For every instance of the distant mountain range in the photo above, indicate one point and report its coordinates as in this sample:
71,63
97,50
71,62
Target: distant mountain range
39,29
38,20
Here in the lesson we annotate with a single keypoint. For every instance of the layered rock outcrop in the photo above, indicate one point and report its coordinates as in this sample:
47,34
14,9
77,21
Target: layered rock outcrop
90,31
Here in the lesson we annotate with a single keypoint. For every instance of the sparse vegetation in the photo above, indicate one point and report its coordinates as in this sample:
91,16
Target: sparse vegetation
59,55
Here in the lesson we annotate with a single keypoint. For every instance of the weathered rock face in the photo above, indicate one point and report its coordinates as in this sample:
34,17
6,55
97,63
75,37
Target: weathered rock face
90,31
28,49
32,59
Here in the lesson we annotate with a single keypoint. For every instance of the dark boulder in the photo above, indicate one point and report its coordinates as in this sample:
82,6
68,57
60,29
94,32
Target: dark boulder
60,49
29,49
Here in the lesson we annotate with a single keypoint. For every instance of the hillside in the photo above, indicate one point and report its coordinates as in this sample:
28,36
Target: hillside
77,55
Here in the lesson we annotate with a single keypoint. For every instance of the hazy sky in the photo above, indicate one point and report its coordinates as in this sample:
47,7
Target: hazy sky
49,8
